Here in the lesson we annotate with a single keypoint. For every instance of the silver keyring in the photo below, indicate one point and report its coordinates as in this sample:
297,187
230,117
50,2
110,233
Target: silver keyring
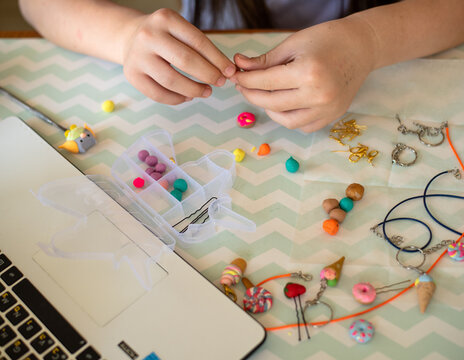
410,267
433,131
317,302
399,148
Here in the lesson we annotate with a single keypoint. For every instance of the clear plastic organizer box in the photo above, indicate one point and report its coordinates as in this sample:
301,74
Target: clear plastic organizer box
204,205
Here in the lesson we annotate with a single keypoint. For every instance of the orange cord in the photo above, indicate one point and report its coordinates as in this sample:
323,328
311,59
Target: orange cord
393,297
273,278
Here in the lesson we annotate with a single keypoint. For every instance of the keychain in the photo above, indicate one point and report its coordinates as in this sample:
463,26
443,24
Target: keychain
423,131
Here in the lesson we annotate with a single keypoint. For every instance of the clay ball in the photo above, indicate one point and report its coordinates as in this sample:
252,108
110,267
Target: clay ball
329,204
355,191
337,214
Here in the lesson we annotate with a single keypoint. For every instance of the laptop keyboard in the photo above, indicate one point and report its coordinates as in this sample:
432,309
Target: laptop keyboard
30,327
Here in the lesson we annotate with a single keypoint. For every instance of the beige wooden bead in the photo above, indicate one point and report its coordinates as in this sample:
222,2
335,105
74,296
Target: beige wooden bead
329,204
355,191
337,214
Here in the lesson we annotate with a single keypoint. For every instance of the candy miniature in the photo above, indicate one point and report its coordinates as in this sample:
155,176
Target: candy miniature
456,251
365,293
246,120
361,331
329,204
337,214
292,165
355,191
156,175
293,291
231,275
151,160
425,288
330,226
332,272
142,155
256,299
160,167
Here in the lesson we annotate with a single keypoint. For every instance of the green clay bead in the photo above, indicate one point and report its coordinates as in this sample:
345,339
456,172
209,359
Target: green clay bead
292,165
346,204
177,194
180,184
332,282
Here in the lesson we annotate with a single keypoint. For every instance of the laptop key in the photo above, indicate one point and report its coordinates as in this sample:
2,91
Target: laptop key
88,354
11,275
1,287
17,349
6,301
29,328
2,320
56,354
4,262
42,342
6,335
17,314
49,316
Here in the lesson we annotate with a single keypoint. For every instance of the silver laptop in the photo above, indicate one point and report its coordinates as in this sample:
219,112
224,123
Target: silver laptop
59,308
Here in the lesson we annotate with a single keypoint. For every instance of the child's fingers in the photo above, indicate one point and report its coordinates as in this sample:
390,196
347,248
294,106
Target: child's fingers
189,61
169,78
198,41
296,119
277,77
280,100
147,86
274,57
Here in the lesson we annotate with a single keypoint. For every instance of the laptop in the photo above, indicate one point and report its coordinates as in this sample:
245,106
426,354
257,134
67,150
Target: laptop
58,307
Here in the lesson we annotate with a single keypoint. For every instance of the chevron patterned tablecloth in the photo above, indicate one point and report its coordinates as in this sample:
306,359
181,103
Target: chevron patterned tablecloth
287,207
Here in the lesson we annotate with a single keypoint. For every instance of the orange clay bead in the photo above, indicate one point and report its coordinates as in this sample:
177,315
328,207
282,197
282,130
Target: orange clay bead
330,226
264,149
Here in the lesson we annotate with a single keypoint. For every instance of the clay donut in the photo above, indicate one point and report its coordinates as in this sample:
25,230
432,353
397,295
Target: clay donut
364,293
361,331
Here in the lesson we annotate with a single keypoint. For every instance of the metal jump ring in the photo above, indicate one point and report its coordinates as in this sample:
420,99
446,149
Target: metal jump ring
317,302
399,148
422,133
410,267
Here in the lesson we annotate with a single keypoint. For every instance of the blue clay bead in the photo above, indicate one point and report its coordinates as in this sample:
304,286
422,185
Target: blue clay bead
346,204
181,185
292,165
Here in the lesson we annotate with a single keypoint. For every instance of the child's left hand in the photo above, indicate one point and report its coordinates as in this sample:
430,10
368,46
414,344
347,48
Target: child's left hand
311,78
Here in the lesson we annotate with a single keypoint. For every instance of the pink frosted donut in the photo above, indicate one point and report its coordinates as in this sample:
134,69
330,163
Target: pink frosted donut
364,293
456,251
246,120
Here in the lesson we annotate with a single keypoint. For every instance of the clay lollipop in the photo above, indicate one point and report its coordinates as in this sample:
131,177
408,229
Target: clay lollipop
332,272
256,298
231,276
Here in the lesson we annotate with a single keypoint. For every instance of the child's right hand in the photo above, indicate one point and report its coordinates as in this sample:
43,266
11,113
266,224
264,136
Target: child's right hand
164,40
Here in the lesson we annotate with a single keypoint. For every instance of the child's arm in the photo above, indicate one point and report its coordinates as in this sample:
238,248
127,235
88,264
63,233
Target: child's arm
147,45
311,78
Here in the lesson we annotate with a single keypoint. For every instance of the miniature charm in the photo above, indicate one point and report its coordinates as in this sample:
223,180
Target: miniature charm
256,299
361,331
232,275
456,251
332,272
246,120
425,288
293,291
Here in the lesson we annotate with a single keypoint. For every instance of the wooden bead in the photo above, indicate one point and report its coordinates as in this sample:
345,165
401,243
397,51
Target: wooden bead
329,204
337,214
355,191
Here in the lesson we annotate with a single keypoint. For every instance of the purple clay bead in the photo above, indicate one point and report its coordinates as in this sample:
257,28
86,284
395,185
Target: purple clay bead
151,160
150,170
143,155
160,167
156,175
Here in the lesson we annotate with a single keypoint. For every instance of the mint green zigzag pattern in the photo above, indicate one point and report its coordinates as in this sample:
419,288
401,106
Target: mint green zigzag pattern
277,250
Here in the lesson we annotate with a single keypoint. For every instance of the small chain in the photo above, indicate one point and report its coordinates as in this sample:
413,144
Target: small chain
395,239
442,244
421,129
319,293
301,275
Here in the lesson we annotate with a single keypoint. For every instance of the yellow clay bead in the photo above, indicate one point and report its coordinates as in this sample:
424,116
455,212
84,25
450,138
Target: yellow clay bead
107,106
239,155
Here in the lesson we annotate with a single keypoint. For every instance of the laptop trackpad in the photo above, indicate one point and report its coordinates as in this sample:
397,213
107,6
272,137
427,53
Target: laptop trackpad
96,285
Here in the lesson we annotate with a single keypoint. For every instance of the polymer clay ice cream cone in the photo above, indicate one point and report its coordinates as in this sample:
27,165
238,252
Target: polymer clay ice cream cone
425,287
332,272
233,272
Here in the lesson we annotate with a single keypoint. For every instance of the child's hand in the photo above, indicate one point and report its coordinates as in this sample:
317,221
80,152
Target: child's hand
164,40
311,78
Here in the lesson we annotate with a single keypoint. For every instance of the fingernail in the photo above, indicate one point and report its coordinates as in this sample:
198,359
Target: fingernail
207,92
229,71
243,57
221,81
